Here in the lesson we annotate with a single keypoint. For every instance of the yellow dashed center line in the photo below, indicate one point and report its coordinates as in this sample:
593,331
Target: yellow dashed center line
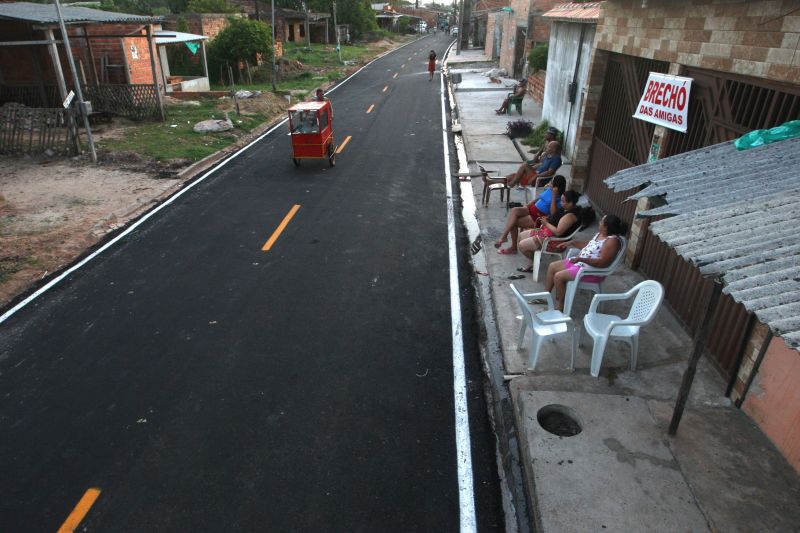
280,228
79,512
395,75
371,108
341,146
386,88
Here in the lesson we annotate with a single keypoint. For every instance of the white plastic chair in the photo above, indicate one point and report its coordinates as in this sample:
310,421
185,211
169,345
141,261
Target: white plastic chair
594,286
649,295
543,325
537,255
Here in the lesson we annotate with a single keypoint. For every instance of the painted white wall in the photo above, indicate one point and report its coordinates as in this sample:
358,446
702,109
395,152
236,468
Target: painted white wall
562,57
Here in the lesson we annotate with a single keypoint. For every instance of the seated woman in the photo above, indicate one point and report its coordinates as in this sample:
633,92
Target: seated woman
598,252
519,92
526,217
561,223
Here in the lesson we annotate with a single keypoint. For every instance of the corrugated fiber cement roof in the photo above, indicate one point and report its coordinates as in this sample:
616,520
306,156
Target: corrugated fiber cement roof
46,14
737,217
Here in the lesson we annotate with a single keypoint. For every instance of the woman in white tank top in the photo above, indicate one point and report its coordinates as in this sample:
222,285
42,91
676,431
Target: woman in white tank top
598,252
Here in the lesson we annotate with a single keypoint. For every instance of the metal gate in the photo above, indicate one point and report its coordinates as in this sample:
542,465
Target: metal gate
620,141
686,292
726,106
723,107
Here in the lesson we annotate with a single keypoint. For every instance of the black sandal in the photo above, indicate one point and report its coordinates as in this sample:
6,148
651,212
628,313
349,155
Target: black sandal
525,269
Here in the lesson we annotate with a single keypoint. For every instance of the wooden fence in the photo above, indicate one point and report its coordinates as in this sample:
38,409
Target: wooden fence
136,102
27,130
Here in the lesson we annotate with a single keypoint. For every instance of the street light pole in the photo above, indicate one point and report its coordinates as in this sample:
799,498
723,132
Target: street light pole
76,82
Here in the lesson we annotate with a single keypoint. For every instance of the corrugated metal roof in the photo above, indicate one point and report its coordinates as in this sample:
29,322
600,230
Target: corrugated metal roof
46,14
574,11
737,218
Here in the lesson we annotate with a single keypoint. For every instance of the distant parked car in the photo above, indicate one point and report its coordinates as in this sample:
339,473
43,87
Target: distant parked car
454,30
422,27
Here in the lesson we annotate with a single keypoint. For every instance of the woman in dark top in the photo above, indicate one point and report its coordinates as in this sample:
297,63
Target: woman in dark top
560,224
431,64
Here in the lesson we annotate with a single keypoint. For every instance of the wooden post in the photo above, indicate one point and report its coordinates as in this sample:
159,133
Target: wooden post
152,47
92,66
62,88
205,61
125,62
62,84
699,348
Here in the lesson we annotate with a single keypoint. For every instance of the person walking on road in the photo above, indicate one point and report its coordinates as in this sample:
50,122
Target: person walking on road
431,64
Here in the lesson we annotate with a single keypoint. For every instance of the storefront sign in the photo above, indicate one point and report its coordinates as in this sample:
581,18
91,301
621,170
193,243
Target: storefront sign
665,101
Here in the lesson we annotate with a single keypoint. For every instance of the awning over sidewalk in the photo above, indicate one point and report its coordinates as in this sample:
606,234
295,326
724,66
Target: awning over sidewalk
173,37
575,12
737,218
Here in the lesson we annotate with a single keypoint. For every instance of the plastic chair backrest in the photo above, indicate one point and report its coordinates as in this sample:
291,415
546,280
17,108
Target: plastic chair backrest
523,304
648,298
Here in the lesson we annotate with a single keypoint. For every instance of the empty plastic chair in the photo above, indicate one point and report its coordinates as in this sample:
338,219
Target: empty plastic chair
601,327
544,325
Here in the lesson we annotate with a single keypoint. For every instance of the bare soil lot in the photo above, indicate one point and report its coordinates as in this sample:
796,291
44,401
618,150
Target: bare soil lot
51,211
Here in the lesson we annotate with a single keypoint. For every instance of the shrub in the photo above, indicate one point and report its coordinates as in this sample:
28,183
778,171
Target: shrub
242,40
536,137
537,59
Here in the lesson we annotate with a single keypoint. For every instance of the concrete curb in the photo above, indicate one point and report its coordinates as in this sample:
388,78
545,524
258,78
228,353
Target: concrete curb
500,405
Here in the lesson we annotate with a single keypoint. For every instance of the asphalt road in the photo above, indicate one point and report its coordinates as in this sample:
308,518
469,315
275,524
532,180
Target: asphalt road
202,384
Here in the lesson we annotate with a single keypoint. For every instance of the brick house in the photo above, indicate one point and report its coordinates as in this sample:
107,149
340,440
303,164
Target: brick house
112,53
290,24
518,29
742,57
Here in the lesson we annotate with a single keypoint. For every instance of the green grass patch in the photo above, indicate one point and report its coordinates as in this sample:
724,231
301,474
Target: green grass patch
12,264
176,138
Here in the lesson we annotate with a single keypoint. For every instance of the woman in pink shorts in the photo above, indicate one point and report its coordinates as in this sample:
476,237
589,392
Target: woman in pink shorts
598,252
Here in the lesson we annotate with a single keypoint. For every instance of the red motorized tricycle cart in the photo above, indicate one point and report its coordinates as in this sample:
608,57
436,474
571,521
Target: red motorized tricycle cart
311,127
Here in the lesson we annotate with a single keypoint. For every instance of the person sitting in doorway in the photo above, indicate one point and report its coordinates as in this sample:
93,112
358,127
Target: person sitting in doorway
519,92
520,218
529,171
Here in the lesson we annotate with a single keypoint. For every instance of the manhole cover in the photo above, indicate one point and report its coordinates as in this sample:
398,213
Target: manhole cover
559,420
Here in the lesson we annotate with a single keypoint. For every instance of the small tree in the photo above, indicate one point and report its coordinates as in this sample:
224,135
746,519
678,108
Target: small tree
242,40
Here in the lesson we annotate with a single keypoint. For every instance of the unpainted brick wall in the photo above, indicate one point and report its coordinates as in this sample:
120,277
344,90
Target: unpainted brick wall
536,85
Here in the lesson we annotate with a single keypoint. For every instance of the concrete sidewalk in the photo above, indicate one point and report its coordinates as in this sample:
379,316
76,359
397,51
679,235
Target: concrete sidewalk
621,472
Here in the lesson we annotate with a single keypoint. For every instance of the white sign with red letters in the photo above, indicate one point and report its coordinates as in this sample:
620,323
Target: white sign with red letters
665,101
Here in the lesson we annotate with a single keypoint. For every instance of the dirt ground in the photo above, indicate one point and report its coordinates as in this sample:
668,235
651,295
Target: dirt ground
51,211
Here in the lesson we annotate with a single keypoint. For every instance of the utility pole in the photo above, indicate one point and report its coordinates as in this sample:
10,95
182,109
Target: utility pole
460,27
274,65
308,32
336,31
76,82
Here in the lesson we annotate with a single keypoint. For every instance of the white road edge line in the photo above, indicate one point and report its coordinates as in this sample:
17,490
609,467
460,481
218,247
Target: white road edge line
53,282
466,495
